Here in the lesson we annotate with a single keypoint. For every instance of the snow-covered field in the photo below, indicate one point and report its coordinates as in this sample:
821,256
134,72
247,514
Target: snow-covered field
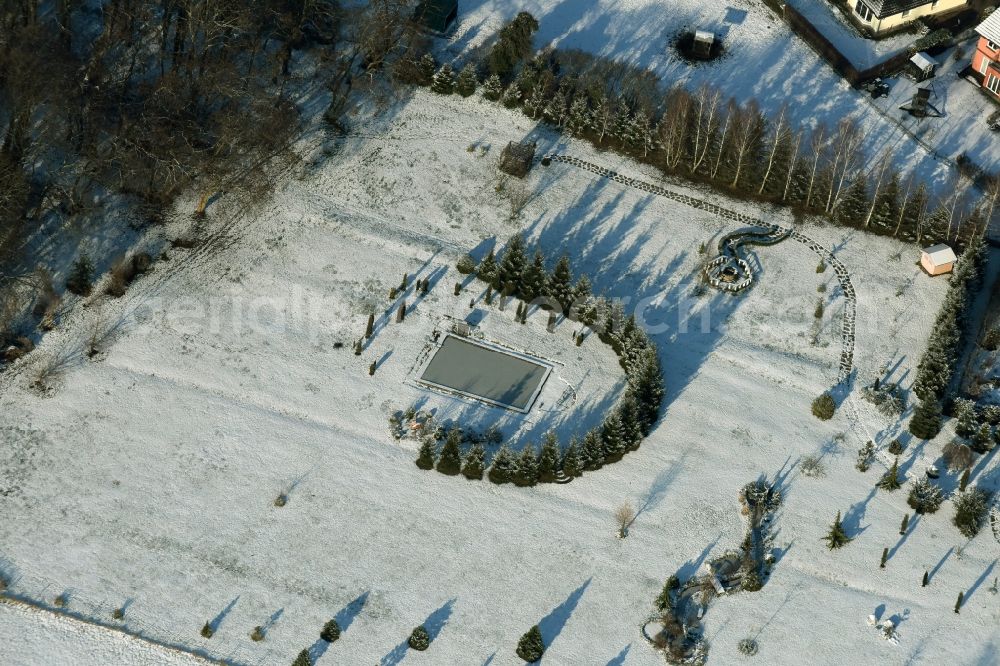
149,473
764,60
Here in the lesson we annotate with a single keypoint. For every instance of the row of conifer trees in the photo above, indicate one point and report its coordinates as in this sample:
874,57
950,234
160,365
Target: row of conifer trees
629,421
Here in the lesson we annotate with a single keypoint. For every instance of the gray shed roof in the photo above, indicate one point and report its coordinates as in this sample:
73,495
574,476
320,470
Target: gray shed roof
990,28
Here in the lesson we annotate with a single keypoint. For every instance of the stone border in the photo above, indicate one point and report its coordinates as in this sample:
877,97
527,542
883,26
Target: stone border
850,307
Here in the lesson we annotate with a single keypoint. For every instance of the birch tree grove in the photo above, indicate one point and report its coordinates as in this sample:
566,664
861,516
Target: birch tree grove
781,134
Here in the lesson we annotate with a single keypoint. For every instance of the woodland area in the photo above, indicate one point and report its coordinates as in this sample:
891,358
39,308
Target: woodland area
147,98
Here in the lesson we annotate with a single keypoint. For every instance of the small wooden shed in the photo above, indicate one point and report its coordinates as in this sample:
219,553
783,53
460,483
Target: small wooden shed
703,43
436,15
516,158
938,259
924,66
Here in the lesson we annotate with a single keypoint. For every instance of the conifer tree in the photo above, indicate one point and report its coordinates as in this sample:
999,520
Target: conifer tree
502,467
450,461
512,264
444,80
426,69
559,285
578,119
488,271
493,88
581,291
614,438
966,417
628,409
401,313
904,524
357,347
81,276
925,497
370,328
926,421
534,104
958,602
473,466
662,601
885,556
555,109
425,459
836,537
526,468
593,451
851,211
824,406
531,647
970,511
511,96
890,480
572,463
466,83
533,278
303,659
982,440
548,458
923,583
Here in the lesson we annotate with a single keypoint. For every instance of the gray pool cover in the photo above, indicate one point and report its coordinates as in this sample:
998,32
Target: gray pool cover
485,373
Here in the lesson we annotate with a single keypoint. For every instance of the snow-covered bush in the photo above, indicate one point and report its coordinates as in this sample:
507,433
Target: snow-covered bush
865,454
970,511
886,397
925,497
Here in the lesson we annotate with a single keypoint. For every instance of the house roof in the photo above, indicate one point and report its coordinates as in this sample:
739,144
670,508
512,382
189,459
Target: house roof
990,28
884,8
940,254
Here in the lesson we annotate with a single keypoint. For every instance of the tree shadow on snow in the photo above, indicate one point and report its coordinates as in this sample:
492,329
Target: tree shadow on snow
552,624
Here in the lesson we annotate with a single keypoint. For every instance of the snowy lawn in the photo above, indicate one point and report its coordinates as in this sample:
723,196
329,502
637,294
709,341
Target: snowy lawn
150,472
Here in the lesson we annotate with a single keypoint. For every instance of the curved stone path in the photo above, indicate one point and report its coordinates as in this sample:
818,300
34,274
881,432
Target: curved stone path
850,307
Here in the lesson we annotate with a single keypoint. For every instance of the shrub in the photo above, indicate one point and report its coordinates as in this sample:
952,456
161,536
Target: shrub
118,613
970,511
821,266
751,581
824,406
62,600
896,447
207,631
925,497
818,312
812,466
331,631
466,264
865,454
257,635
957,456
81,276
747,647
419,639
531,647
991,341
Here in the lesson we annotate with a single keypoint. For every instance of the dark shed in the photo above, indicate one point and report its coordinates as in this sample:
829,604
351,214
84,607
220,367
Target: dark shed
516,158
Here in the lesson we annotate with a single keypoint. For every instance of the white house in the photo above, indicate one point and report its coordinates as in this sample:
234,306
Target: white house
938,259
885,15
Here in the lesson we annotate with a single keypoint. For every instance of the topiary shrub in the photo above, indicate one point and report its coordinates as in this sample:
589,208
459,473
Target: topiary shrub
331,631
531,647
824,406
419,639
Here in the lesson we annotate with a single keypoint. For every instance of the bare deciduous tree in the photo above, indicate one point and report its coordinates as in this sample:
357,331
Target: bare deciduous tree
624,515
